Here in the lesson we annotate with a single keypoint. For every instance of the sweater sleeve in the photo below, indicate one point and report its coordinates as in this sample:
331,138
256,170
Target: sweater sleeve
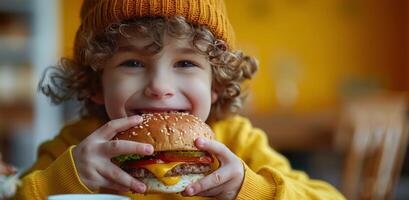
54,171
59,177
268,174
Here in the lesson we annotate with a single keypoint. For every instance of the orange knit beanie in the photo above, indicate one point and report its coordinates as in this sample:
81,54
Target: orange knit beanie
98,14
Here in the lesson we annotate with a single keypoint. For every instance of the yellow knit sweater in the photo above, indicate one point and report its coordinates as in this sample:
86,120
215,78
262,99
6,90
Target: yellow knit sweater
268,174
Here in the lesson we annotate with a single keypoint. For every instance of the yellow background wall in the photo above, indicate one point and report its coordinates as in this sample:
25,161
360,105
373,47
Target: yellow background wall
312,53
330,43
70,11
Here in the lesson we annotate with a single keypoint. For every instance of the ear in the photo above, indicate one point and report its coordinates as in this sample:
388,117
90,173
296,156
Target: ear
98,98
214,96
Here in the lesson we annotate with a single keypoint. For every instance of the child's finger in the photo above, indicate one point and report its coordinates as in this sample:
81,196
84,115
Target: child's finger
114,148
114,186
113,172
110,129
215,191
213,180
208,193
214,147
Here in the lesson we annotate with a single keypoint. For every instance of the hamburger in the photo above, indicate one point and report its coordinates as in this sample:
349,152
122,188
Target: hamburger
176,161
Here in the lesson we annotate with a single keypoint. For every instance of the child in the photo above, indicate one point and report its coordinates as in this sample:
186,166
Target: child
137,56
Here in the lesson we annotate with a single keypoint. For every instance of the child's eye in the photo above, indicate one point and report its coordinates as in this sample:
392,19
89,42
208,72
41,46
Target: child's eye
131,63
185,64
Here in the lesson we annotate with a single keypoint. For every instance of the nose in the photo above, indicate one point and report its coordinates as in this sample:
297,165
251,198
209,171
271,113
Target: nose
159,87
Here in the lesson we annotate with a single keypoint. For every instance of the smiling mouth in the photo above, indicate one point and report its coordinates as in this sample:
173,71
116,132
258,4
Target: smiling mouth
147,111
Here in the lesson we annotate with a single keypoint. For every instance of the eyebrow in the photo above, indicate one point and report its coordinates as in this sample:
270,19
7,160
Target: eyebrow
129,48
148,49
132,48
186,51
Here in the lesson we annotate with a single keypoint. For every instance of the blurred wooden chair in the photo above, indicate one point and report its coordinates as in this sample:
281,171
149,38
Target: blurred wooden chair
373,134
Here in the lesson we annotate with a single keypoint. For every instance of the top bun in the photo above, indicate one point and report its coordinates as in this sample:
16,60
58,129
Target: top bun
172,131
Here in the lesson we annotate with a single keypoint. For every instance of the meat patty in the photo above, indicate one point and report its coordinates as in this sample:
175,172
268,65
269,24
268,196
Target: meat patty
187,168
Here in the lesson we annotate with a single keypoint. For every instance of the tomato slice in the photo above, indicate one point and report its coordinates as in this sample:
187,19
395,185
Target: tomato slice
205,159
140,163
166,158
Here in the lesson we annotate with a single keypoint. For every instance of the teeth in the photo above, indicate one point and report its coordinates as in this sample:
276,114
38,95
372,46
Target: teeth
140,112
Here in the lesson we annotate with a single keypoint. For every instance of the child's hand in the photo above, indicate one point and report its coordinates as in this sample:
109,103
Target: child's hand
225,182
93,157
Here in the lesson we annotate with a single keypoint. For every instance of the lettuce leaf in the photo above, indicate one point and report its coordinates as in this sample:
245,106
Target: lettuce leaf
123,158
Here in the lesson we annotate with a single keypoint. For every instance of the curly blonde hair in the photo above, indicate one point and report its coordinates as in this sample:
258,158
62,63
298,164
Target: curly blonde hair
80,77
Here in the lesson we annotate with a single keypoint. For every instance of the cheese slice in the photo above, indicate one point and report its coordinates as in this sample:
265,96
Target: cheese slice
159,170
215,164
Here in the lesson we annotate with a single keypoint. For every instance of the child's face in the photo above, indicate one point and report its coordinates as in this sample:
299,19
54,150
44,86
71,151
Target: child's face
178,78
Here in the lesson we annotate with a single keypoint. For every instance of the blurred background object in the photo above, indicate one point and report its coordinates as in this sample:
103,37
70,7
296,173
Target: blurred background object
8,180
324,66
373,135
29,42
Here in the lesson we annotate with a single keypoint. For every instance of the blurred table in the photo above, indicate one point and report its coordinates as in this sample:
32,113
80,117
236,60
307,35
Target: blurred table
298,131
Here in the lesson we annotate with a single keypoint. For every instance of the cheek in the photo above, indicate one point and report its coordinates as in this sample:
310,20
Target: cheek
117,90
198,91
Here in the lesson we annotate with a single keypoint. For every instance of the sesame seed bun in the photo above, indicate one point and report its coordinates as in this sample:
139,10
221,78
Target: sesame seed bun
172,131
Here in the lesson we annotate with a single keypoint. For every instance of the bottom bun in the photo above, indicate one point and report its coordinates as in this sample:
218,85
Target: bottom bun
155,186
